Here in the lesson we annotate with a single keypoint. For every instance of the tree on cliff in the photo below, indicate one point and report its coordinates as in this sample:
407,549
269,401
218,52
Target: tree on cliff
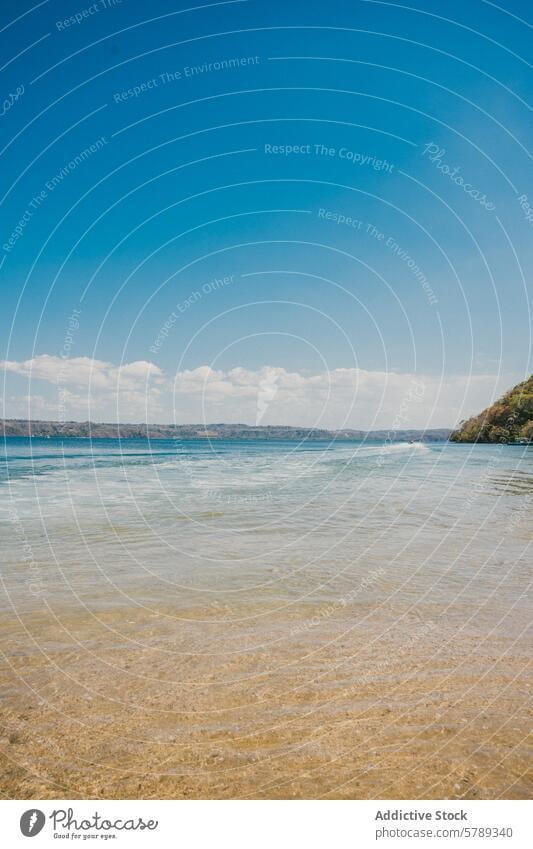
509,419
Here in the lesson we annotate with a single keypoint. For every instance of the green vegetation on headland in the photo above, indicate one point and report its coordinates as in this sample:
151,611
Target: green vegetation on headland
96,430
508,420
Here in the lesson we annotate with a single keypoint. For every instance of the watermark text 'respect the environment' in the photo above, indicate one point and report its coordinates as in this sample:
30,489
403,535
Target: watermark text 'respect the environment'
85,14
51,184
187,72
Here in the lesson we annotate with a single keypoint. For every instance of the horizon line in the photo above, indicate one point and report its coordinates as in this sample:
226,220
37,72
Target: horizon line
205,426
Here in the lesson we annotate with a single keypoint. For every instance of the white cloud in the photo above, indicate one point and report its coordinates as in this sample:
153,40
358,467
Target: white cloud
343,397
83,371
86,387
81,387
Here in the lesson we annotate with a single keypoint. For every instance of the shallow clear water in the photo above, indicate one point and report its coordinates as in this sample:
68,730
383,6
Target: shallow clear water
225,525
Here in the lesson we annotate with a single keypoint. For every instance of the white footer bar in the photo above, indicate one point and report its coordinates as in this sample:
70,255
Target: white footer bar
268,824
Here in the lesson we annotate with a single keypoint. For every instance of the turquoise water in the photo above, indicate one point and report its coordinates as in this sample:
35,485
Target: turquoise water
225,525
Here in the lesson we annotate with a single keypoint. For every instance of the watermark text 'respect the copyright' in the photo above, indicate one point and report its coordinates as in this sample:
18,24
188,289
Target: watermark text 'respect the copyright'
526,208
323,150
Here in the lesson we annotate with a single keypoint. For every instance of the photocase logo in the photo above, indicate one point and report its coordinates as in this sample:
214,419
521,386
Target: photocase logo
32,822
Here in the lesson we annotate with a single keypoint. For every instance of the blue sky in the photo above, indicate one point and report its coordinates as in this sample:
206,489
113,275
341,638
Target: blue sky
354,175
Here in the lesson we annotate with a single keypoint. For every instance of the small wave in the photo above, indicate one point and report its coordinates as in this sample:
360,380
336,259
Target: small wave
406,446
389,448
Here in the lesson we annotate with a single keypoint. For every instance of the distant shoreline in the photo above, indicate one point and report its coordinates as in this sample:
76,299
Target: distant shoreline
218,431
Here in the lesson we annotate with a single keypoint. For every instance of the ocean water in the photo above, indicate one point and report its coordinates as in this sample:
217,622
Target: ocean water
232,529
266,619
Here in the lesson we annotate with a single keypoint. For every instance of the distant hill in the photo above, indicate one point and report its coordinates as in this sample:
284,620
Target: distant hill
508,420
23,427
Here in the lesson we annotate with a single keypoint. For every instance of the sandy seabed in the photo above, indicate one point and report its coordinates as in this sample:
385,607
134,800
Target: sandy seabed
127,703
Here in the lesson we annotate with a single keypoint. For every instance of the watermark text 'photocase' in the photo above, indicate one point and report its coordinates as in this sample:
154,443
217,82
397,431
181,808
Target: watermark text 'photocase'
436,156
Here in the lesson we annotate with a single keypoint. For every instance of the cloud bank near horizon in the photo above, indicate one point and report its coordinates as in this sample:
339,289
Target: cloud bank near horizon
81,388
